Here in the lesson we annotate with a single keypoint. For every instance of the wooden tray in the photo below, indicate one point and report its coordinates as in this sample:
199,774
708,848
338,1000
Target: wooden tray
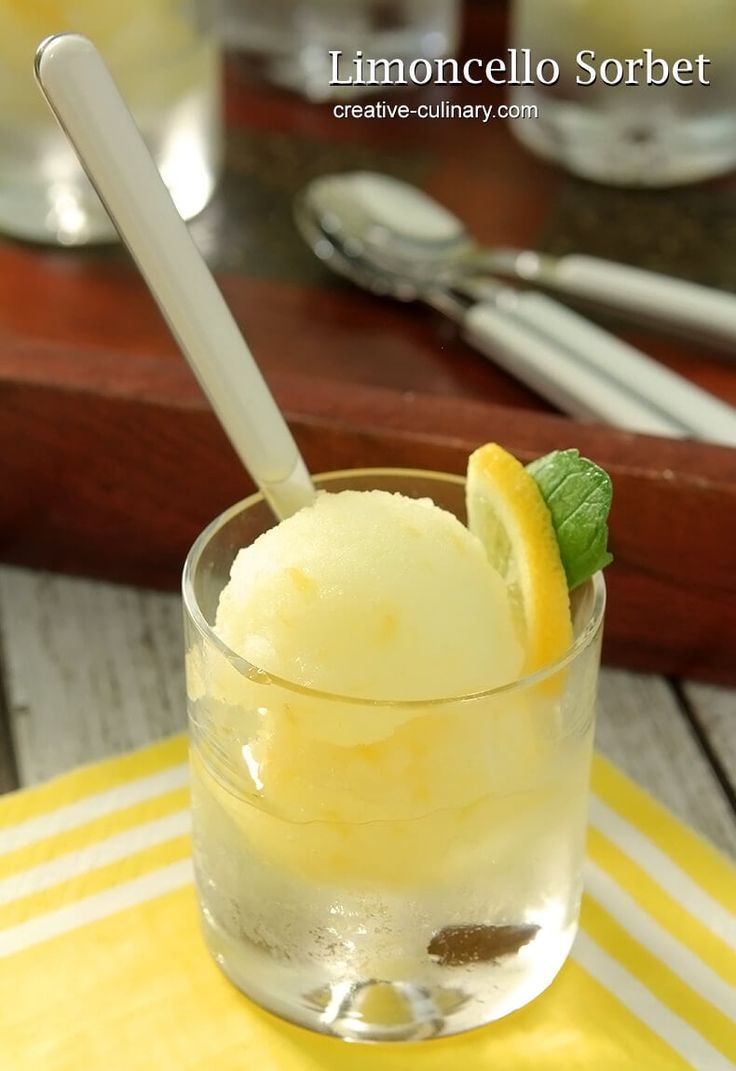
112,461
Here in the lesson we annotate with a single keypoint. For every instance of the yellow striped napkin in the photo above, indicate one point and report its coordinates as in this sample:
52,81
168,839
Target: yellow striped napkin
102,965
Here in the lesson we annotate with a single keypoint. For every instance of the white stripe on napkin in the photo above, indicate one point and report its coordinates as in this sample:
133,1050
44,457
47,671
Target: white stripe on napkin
645,929
98,906
673,879
635,996
91,807
93,856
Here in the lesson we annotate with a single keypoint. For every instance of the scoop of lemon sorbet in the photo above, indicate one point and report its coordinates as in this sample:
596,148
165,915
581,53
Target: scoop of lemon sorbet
375,596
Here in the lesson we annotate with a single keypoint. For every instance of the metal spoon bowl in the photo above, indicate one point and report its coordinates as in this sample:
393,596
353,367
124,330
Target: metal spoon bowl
378,220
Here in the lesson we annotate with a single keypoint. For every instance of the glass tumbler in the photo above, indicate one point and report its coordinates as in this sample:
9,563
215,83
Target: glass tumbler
164,57
288,41
384,870
630,135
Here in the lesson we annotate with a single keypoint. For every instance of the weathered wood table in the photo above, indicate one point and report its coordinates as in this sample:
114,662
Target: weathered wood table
112,462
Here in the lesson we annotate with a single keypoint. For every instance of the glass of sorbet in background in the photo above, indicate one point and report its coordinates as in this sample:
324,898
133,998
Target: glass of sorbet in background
388,832
164,57
637,134
289,41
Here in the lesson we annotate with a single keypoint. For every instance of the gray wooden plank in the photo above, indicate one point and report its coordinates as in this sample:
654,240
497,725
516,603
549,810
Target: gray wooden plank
642,729
8,769
714,710
94,668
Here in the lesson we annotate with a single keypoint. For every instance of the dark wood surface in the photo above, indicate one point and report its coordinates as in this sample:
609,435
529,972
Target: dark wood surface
112,461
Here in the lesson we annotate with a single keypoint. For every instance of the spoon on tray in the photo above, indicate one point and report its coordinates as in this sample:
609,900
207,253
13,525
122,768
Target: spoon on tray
392,239
442,247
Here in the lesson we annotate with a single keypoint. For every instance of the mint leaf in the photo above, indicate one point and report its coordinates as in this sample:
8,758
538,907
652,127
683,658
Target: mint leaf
578,495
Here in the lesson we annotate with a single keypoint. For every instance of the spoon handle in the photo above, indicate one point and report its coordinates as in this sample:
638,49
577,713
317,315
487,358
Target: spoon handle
699,312
84,98
590,373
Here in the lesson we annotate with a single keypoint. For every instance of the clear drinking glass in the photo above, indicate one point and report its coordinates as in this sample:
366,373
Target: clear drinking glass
657,135
288,41
376,870
164,56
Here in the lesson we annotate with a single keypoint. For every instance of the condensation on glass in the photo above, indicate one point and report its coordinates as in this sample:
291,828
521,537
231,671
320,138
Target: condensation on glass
384,871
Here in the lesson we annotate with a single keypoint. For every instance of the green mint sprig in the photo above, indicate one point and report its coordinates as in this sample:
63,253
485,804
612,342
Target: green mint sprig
578,495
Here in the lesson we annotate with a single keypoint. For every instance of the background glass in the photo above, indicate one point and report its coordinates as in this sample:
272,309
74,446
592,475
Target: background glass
631,135
163,55
384,870
289,40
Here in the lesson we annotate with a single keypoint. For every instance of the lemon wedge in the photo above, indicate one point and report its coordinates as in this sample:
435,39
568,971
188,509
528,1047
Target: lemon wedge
508,514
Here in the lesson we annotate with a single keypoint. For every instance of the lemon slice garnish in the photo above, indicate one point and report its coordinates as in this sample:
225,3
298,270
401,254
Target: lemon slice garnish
508,514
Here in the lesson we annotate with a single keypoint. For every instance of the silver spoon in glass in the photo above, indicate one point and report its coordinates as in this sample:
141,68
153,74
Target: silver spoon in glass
390,238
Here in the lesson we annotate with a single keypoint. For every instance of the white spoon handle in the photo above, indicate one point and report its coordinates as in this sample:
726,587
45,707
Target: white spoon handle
590,373
700,312
86,101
